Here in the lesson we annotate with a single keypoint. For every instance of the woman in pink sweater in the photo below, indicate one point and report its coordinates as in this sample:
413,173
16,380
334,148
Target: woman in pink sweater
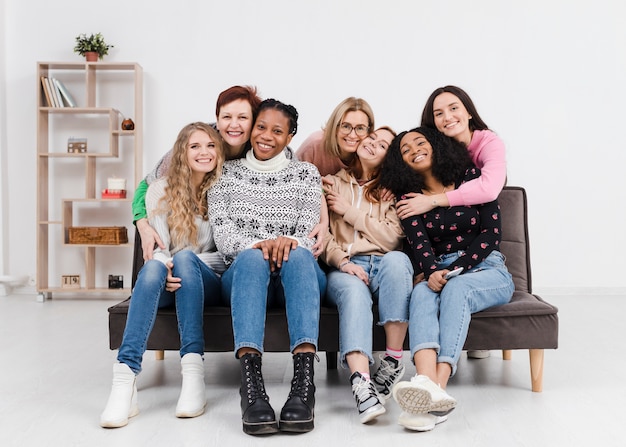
451,111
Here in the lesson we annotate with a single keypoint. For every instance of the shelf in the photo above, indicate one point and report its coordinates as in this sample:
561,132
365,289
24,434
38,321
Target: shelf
127,199
102,290
122,66
81,110
77,155
101,98
128,245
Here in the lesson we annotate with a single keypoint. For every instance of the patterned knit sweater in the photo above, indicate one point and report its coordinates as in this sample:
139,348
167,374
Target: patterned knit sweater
255,201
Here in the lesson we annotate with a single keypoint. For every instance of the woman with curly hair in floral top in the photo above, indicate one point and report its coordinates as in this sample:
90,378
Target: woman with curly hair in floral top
443,240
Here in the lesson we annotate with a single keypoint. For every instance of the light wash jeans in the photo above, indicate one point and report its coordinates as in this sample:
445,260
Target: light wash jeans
250,288
440,320
391,282
200,286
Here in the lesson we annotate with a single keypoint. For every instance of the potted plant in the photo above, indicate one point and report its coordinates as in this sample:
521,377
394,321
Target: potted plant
93,47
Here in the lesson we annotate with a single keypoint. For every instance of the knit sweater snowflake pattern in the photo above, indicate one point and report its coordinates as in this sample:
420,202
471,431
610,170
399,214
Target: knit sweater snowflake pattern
247,206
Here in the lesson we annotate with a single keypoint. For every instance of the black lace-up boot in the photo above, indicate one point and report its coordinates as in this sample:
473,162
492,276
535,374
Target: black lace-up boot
297,414
256,412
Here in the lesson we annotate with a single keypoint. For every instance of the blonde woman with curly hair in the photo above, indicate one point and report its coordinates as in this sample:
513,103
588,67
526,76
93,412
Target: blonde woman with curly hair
186,273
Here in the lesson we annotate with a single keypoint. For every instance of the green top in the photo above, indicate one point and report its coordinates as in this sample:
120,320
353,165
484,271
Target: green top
139,201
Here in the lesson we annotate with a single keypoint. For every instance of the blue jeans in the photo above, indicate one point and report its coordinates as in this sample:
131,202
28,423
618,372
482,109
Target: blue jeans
250,288
440,320
391,282
200,286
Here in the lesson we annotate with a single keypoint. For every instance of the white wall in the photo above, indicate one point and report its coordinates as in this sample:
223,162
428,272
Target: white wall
4,233
548,77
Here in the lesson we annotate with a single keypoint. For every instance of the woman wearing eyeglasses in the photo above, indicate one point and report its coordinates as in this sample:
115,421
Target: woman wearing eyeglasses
332,148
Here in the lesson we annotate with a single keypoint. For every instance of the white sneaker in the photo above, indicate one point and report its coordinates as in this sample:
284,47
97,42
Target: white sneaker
389,372
422,395
478,354
368,401
420,422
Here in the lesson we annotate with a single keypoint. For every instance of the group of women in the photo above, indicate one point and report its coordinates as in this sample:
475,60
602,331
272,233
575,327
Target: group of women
358,215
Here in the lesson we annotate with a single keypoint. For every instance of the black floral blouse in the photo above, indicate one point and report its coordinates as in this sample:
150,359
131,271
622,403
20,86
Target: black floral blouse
475,230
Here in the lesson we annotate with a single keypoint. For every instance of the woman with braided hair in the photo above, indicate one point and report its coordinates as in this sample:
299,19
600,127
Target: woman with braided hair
262,211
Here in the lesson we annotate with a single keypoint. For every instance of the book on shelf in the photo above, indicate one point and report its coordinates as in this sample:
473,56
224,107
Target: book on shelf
57,93
53,97
46,92
65,93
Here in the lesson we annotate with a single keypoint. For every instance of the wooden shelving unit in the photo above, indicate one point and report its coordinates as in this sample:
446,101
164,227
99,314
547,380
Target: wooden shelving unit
101,90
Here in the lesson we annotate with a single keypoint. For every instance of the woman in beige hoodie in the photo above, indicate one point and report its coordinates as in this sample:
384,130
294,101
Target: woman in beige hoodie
363,250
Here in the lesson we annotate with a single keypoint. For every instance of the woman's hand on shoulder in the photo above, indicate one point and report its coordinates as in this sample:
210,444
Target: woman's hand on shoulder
386,195
413,204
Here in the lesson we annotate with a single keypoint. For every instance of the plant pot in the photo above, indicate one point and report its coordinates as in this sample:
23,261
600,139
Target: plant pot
91,56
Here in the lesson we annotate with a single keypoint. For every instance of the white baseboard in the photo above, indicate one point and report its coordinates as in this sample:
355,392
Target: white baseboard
588,291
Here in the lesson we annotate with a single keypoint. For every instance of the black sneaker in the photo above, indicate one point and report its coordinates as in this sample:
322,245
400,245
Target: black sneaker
389,372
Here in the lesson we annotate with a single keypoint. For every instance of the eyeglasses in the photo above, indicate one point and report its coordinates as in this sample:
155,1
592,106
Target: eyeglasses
346,128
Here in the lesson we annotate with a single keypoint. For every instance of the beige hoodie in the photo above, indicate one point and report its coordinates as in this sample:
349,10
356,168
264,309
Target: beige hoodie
366,229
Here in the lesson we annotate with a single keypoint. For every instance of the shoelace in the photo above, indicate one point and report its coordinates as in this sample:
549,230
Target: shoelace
255,387
363,390
301,378
386,372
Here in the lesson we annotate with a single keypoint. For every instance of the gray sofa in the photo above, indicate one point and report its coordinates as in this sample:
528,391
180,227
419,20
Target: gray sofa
526,323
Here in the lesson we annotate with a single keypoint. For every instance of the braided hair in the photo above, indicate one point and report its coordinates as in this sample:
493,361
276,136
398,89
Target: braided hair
288,110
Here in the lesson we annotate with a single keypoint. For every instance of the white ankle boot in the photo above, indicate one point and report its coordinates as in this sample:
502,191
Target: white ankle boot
122,403
192,400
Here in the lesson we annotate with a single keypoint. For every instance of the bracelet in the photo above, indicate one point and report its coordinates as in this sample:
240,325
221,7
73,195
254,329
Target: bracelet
343,264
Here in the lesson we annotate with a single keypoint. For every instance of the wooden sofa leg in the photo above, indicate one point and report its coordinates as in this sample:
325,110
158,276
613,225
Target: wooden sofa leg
159,355
507,354
536,369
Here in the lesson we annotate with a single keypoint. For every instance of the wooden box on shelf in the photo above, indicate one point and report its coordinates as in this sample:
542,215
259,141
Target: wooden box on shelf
70,281
98,235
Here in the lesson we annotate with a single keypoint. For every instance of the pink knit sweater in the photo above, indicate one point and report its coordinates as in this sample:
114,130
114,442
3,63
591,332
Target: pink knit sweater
488,153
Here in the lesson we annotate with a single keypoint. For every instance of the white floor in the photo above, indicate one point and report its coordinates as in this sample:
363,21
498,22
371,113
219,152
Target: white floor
56,374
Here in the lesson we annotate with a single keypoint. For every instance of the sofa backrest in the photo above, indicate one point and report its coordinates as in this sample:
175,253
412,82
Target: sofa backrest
515,245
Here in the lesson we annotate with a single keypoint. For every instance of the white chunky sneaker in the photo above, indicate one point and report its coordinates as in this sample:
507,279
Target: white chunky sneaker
420,422
422,395
368,402
122,403
389,372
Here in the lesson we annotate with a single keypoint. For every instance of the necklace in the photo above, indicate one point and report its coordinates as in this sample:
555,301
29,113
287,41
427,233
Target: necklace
430,193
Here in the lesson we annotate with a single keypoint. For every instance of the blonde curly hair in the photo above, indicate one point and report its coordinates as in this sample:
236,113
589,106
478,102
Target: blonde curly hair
180,202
